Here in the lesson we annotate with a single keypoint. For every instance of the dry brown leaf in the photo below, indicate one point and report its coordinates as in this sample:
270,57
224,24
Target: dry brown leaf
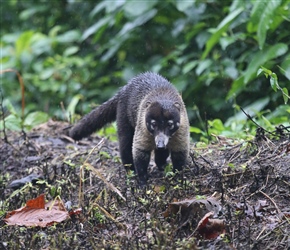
210,228
38,213
193,208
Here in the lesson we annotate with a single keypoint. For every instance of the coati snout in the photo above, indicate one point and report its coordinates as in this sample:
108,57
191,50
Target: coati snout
161,140
162,121
150,116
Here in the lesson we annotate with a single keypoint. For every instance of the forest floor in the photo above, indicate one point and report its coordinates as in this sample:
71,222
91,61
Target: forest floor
233,194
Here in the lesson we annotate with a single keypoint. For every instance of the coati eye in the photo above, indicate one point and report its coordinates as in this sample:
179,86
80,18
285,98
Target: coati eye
170,124
152,124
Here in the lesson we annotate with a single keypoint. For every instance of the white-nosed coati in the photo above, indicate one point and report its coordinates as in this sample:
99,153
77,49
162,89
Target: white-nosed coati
150,115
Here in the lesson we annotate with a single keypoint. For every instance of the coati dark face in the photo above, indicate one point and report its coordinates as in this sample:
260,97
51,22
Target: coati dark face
162,121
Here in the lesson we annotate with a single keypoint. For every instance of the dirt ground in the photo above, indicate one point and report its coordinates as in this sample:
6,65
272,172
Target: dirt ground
245,185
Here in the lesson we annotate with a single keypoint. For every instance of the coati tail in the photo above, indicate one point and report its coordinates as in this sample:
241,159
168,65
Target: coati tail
96,119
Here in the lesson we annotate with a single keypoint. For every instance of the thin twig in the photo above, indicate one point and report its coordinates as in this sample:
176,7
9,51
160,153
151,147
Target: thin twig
3,117
272,201
251,119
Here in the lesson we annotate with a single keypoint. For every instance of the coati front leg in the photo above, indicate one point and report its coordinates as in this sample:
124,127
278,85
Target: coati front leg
141,162
178,160
161,157
125,136
125,147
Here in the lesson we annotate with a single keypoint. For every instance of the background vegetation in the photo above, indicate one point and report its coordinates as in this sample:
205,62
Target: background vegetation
76,54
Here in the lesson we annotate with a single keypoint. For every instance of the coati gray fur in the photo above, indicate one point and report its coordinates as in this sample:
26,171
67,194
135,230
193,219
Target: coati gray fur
150,115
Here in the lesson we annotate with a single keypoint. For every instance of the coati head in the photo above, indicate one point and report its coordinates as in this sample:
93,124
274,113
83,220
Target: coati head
162,121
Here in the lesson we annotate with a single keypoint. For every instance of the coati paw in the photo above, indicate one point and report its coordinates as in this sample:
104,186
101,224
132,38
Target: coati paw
161,167
142,180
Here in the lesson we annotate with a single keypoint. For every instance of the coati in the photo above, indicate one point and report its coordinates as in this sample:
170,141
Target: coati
150,115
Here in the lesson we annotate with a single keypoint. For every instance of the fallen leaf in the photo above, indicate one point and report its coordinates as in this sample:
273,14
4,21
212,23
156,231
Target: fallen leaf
196,207
210,228
37,203
38,213
192,210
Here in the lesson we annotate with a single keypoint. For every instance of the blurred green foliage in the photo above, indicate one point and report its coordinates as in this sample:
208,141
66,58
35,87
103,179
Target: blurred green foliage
79,53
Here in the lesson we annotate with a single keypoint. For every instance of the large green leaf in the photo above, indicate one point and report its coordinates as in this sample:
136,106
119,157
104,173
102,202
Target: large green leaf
222,27
40,44
203,65
286,67
95,27
266,19
137,22
23,42
137,8
236,88
285,95
35,118
30,12
124,33
12,122
184,5
251,110
256,13
72,105
69,36
261,57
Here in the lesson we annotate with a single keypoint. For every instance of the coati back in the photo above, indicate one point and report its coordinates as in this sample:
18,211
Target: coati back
150,116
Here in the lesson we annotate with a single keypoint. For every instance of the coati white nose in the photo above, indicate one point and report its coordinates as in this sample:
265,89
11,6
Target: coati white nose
161,141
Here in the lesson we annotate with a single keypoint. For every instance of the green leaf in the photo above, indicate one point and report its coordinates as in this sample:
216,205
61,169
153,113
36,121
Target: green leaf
40,44
237,87
71,50
68,37
124,33
98,8
273,82
72,105
46,73
251,110
285,95
257,12
226,41
261,57
12,122
203,65
35,118
222,27
94,28
266,19
10,107
114,47
23,42
195,130
266,71
189,66
137,8
216,124
260,70
184,5
112,6
137,22
286,68
30,12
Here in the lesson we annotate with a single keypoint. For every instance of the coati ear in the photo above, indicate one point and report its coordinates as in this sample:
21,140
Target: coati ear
177,105
148,104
